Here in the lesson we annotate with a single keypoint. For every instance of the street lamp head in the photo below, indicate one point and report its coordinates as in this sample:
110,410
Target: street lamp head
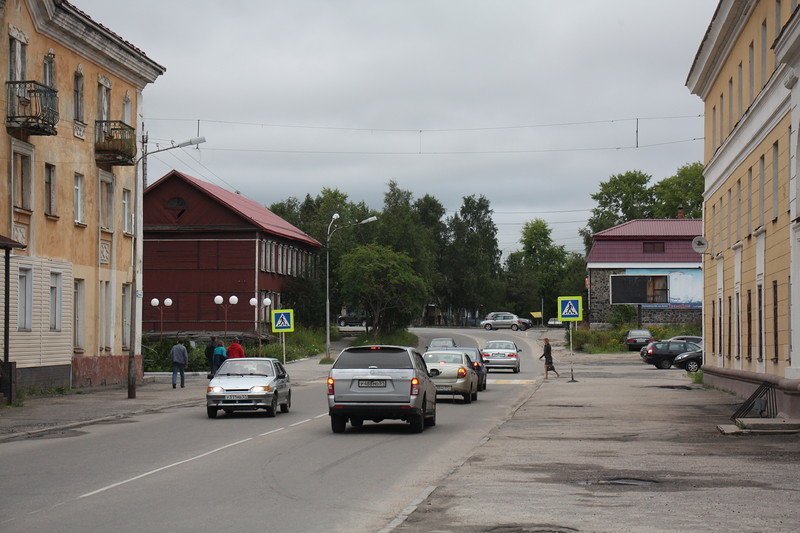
335,216
233,300
368,220
267,302
168,301
154,302
254,301
218,299
191,142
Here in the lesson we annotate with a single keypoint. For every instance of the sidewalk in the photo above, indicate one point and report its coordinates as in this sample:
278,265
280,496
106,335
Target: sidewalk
81,407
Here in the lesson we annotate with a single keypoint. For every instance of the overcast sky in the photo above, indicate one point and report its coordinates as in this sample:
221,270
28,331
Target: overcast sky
468,74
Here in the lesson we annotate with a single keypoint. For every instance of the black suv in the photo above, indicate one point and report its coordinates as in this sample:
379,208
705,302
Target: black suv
353,320
662,353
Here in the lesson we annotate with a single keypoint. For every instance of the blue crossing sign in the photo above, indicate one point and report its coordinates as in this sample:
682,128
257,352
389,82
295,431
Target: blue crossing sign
282,320
570,308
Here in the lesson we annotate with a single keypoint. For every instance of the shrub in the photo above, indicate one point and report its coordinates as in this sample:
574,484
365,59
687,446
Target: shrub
621,315
696,377
399,337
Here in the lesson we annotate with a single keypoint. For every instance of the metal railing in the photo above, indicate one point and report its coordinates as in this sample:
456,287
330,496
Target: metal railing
763,399
32,107
114,142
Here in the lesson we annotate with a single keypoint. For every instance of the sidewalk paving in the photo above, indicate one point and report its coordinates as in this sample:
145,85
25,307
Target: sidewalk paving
81,407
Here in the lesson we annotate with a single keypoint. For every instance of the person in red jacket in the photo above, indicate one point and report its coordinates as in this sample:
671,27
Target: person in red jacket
235,350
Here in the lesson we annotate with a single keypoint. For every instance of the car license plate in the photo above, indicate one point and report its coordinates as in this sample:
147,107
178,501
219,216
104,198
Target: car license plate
443,388
235,396
371,383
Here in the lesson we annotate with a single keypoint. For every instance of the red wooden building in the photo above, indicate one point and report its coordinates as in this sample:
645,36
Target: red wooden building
201,241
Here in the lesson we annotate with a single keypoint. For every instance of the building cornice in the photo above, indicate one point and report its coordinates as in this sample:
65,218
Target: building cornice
725,27
67,25
607,265
787,45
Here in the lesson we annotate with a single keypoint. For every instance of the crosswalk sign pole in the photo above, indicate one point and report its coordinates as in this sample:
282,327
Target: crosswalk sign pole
283,343
572,357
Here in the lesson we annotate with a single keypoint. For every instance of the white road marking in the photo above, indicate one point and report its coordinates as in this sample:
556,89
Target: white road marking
301,422
8,520
140,476
270,432
510,381
320,416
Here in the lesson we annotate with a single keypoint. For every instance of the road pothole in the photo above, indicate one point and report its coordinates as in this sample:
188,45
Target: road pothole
671,387
624,481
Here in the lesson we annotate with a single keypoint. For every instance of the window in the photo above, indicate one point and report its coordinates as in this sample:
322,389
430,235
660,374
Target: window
761,189
730,105
106,316
106,201
777,17
760,329
722,132
77,313
751,70
126,110
103,102
775,347
730,221
775,174
739,90
763,53
24,299
738,326
713,222
713,127
16,64
50,189
127,214
719,328
22,175
713,327
126,315
749,324
749,201
730,331
653,247
77,198
77,96
55,301
49,70
738,210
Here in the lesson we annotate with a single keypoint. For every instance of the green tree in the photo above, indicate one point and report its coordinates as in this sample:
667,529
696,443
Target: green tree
684,189
521,284
384,283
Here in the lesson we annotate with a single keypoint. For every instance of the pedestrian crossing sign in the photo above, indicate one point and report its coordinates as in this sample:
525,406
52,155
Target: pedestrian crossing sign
282,320
570,308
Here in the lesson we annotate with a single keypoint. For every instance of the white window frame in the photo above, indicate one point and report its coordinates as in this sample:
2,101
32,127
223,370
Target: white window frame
77,315
106,201
78,97
740,90
776,154
50,190
25,299
24,182
751,70
764,53
17,52
126,110
77,199
56,300
761,190
127,214
126,315
49,70
750,201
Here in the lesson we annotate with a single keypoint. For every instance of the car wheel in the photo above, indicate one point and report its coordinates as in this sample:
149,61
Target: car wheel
272,410
211,412
516,370
338,423
514,327
286,406
488,327
467,397
417,423
342,323
664,364
523,327
431,420
692,366
475,395
356,422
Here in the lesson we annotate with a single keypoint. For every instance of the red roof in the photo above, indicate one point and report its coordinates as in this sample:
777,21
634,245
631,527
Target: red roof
256,213
666,228
624,243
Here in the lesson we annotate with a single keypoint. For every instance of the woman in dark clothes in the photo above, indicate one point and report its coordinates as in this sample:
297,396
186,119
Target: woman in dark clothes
548,359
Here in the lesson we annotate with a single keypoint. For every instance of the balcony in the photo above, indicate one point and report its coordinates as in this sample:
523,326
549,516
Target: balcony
32,108
114,143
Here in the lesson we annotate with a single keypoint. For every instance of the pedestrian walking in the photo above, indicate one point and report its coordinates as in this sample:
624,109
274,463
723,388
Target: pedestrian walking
210,352
548,359
220,355
235,350
180,358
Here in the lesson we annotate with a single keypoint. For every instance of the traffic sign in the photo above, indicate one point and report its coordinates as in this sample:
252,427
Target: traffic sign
570,308
282,320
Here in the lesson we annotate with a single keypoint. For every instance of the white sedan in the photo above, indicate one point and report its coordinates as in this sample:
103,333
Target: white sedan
452,373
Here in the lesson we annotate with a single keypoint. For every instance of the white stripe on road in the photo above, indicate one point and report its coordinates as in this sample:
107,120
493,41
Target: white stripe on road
320,416
140,476
301,422
510,381
270,432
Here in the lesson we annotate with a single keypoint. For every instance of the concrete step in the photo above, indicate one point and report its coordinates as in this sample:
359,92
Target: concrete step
730,429
769,424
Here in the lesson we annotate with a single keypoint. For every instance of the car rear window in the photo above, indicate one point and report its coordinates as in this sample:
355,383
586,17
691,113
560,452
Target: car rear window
639,333
378,357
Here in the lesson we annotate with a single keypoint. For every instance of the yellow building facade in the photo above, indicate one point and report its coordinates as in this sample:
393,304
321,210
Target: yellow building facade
746,72
72,95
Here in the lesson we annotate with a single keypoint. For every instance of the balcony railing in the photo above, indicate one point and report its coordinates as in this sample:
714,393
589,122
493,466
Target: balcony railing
32,108
114,143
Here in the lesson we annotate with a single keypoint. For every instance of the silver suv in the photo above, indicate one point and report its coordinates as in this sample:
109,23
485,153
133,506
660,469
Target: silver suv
379,382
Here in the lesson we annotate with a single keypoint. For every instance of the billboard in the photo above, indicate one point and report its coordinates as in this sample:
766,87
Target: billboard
659,288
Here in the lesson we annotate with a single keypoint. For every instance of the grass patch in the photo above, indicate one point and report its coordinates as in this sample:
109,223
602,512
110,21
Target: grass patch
400,337
696,377
613,340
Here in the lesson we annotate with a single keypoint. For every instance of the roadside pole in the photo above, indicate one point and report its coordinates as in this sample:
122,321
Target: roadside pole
283,343
570,310
283,323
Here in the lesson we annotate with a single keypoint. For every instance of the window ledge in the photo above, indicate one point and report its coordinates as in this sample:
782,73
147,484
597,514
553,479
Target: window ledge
127,234
775,220
737,245
80,224
22,210
759,230
77,350
24,330
107,230
52,217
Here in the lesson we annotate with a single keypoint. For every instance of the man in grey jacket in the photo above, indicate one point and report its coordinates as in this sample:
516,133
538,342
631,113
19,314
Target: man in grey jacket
180,358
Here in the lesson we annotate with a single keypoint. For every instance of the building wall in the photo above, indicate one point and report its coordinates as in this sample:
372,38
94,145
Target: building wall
80,248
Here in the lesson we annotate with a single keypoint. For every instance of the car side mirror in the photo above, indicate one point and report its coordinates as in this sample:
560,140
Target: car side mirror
281,376
433,372
519,350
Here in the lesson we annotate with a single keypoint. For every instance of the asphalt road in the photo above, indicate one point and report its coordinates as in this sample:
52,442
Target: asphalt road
179,471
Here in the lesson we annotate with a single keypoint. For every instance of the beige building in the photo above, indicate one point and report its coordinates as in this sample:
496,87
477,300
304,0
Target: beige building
746,73
73,92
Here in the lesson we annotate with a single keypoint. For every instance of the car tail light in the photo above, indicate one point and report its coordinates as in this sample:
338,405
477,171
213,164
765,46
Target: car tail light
330,385
512,354
414,386
650,351
462,372
476,364
631,341
486,355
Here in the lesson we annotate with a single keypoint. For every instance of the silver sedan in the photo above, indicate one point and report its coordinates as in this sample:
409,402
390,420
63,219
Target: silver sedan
501,354
247,384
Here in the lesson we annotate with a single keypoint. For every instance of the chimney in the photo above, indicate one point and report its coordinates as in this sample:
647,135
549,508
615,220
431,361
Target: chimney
680,213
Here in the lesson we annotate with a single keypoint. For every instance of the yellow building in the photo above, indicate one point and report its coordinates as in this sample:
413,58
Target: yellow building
746,73
73,92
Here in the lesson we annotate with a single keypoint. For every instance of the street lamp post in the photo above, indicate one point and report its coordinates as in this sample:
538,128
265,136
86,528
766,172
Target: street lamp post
137,249
233,300
167,303
266,302
330,233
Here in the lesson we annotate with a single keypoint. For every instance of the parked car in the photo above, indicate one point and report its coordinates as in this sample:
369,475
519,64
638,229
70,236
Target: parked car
501,354
380,382
452,373
493,314
353,320
505,321
476,357
691,338
442,342
248,384
554,323
662,353
636,339
689,361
